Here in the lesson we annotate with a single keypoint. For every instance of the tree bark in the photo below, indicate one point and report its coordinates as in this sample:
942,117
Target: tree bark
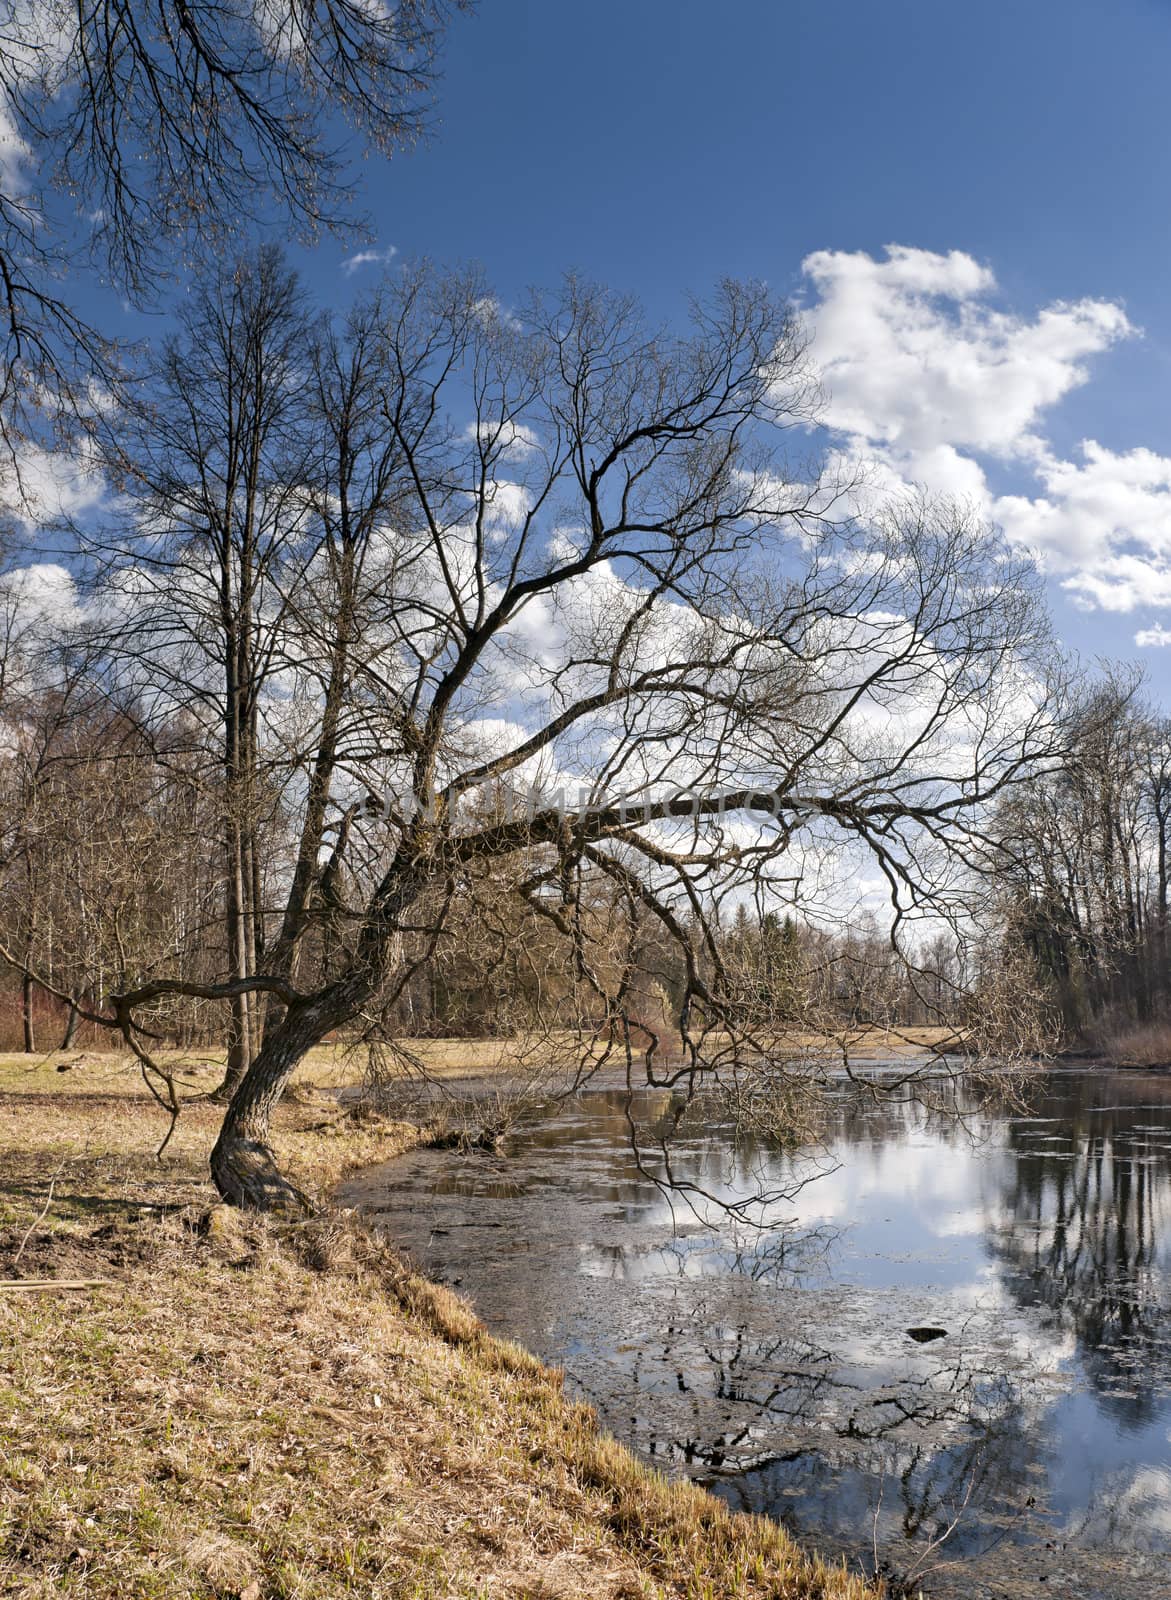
70,1025
240,1033
26,1012
243,1166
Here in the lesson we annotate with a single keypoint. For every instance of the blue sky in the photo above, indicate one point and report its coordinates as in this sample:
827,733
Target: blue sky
658,146
1019,155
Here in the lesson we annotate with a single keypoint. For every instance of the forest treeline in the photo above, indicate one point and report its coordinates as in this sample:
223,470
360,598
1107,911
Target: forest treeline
1087,862
122,847
122,839
120,851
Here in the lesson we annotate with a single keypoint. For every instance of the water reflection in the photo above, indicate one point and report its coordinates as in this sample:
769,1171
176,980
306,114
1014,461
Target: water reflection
776,1364
1089,1203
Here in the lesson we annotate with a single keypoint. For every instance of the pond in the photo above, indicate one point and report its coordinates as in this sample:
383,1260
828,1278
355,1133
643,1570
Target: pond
948,1323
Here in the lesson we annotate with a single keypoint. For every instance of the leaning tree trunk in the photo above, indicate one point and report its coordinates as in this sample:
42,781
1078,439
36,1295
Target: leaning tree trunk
243,1167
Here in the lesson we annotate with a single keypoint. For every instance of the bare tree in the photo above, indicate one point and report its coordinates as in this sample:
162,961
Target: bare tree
247,589
215,455
98,863
169,126
585,566
1086,862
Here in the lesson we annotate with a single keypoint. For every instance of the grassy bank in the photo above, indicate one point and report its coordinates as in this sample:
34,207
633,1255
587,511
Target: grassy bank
248,1409
1130,1045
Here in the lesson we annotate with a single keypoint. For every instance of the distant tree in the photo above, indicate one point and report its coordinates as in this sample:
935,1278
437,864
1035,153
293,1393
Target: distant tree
1086,859
103,865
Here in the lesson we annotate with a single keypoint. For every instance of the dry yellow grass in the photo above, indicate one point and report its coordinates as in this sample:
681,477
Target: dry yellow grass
331,1066
258,1410
1140,1045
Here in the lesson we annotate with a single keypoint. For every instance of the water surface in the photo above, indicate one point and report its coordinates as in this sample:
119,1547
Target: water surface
775,1364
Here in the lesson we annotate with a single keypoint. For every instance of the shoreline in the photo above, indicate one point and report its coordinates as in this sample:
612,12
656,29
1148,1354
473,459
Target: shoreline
244,1409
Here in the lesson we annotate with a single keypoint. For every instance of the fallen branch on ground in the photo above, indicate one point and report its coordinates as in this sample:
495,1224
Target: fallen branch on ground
32,1285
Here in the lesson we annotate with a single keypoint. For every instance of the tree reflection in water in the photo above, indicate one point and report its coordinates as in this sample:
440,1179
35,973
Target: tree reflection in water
775,1364
1086,1208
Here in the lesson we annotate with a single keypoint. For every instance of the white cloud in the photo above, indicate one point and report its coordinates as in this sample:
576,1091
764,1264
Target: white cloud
507,505
368,258
38,53
1094,506
1120,583
913,355
280,28
53,485
930,383
42,593
504,438
15,154
1153,638
492,311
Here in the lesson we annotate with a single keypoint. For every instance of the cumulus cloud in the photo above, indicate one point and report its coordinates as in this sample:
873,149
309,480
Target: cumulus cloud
35,52
39,604
931,383
504,439
507,506
42,592
1153,638
914,356
1094,504
14,153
